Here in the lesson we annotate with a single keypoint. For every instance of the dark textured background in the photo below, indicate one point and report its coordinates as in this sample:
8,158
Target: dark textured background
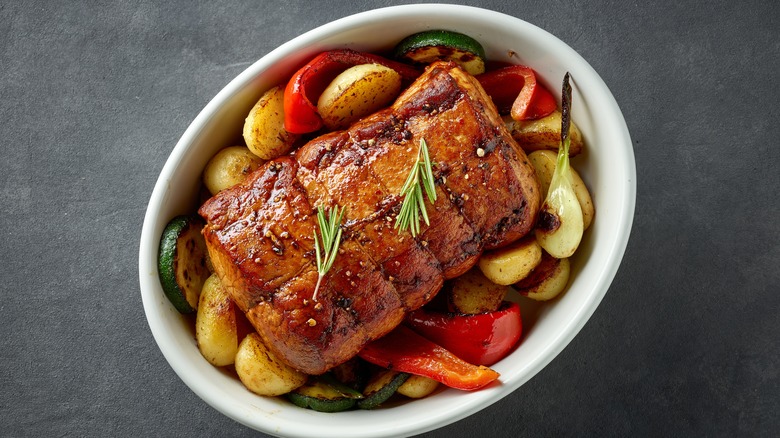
94,97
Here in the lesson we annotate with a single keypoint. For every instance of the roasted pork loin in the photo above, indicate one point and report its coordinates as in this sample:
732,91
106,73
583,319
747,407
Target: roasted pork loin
260,233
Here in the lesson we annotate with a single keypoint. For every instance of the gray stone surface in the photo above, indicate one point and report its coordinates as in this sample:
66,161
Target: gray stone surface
94,96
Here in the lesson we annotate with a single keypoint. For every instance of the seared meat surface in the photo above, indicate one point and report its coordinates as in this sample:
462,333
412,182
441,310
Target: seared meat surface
260,234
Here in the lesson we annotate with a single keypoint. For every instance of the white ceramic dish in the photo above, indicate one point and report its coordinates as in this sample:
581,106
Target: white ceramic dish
608,168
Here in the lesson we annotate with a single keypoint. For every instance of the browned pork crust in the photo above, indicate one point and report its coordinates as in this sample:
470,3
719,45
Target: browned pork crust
260,233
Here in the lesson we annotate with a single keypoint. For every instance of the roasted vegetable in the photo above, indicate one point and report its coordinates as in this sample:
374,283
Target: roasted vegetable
219,325
404,350
442,45
473,293
264,131
512,263
544,133
357,92
306,85
560,227
182,262
547,281
544,164
515,90
418,386
381,387
229,167
324,395
262,372
481,339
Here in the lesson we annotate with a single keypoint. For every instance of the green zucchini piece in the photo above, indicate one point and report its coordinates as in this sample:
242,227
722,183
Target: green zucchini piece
181,262
433,45
344,389
381,387
320,395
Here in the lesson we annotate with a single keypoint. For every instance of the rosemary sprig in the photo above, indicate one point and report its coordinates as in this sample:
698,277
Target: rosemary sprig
413,207
330,234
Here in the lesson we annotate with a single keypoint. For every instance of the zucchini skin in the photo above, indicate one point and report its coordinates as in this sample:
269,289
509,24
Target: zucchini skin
325,394
172,252
320,395
321,405
428,46
376,398
447,38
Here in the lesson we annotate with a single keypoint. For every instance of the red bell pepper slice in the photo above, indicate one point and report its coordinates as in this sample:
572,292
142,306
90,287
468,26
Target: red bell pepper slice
306,85
481,339
405,350
515,90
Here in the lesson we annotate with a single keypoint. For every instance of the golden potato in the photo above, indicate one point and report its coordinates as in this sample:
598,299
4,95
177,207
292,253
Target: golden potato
264,131
356,93
544,133
473,293
547,281
229,167
216,328
418,386
544,165
262,372
512,263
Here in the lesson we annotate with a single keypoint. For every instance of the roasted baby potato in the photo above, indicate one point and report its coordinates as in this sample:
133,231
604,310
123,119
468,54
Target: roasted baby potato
229,167
512,263
262,372
547,281
215,324
356,93
264,131
418,386
544,165
544,133
473,293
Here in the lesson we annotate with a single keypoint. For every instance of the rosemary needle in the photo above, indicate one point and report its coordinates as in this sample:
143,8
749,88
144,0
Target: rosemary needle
330,234
420,179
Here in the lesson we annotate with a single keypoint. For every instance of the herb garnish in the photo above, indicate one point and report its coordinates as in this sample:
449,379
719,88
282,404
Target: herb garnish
421,176
330,233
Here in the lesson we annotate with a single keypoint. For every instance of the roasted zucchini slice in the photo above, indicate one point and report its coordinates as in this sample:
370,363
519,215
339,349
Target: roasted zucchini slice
434,45
381,387
181,262
324,394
